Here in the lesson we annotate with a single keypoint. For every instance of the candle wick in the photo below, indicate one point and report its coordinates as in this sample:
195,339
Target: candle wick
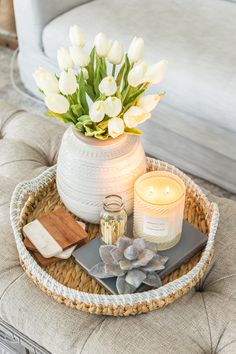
151,190
167,190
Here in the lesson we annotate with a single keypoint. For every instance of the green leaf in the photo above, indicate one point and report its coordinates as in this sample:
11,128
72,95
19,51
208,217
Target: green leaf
69,116
103,124
98,131
131,98
84,118
53,114
103,67
120,75
89,127
126,92
103,136
89,90
97,76
118,93
101,130
77,109
83,122
80,127
135,131
82,93
126,72
65,118
90,68
102,97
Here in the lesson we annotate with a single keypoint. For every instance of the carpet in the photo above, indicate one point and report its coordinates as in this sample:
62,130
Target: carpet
12,95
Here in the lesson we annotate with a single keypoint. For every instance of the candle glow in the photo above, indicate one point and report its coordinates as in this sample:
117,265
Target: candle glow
158,208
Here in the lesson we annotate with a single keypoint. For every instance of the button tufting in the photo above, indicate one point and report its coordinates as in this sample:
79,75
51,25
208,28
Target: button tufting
200,286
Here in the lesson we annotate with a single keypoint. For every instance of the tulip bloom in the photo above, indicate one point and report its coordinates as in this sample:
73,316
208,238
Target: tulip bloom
67,82
116,53
85,73
136,50
79,56
77,37
148,102
64,59
157,72
112,106
134,116
115,127
57,103
97,111
108,86
46,81
102,44
136,75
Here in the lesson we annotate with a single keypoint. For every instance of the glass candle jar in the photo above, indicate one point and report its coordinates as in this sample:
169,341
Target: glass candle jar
113,219
159,199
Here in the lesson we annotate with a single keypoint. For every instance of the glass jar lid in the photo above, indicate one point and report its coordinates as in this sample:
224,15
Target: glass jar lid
113,203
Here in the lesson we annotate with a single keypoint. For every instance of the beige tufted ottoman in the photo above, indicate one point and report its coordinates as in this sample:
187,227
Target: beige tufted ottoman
200,322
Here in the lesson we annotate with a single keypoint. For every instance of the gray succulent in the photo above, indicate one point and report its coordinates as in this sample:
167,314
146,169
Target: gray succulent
132,261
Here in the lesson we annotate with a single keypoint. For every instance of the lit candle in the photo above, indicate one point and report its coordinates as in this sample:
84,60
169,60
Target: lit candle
159,207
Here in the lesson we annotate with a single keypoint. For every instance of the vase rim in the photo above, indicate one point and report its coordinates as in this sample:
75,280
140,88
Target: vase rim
97,142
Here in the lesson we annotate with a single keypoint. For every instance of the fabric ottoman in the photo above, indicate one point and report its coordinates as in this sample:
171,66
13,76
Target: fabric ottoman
204,320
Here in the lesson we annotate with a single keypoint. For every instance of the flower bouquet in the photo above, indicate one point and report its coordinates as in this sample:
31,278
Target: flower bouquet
98,99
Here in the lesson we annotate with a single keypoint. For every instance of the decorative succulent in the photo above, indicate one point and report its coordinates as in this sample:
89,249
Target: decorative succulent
132,261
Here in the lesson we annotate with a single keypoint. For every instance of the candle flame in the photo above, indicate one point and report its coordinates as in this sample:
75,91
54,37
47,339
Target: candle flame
151,190
167,190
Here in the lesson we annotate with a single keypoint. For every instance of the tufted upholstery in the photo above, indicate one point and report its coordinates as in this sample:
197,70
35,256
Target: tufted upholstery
200,322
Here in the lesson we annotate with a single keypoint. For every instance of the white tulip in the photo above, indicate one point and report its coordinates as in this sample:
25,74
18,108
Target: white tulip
57,103
68,82
46,81
115,54
108,86
115,127
102,44
97,111
85,73
148,102
112,106
77,37
157,72
64,59
136,50
134,116
79,56
136,75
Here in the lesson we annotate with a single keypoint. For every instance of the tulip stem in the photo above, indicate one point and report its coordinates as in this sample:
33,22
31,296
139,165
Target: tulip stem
113,70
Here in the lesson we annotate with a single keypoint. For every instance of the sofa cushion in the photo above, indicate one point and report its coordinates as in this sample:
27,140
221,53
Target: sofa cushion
198,322
196,38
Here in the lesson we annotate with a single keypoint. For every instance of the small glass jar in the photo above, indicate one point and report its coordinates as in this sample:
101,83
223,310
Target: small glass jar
113,219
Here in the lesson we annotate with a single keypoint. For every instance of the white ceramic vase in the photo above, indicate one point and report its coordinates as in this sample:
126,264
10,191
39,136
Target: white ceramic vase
89,169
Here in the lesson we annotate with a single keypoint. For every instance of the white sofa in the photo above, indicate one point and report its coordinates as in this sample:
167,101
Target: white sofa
195,126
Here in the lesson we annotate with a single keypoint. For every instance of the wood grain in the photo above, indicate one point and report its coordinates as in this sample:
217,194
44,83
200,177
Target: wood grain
63,228
44,262
7,18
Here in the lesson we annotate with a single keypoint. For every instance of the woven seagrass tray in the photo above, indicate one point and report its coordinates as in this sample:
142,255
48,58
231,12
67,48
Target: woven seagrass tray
67,283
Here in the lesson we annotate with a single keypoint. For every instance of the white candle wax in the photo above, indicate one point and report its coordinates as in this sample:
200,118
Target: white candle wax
158,208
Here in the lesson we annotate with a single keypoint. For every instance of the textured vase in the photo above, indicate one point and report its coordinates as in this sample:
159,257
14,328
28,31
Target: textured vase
89,169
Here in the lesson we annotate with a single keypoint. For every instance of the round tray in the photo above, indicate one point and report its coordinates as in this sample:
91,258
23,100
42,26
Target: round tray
68,284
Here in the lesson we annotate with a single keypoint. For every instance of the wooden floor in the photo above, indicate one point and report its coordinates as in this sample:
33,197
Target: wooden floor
8,35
